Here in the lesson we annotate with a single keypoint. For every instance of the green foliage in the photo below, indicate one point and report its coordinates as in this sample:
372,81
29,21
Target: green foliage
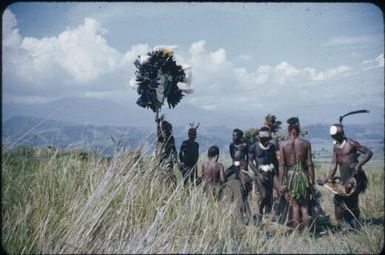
299,183
249,136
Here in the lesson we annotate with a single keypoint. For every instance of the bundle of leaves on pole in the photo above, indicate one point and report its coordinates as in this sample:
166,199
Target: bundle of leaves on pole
157,79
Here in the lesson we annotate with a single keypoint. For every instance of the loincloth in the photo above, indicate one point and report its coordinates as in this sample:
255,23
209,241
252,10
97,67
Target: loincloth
299,185
267,168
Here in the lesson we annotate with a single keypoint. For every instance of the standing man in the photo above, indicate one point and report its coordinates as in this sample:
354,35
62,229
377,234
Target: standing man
189,154
166,150
345,155
264,163
295,163
213,172
238,148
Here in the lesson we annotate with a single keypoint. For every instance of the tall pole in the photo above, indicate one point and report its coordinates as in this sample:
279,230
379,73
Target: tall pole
157,131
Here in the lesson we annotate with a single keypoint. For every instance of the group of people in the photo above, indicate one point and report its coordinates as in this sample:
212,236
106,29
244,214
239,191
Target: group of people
285,167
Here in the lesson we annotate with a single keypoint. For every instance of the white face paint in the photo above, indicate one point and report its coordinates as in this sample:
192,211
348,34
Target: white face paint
264,134
333,130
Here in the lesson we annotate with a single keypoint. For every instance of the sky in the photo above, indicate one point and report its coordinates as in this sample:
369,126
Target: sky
312,60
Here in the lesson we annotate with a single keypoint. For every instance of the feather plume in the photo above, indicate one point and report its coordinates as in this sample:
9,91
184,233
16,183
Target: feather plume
192,125
351,113
272,122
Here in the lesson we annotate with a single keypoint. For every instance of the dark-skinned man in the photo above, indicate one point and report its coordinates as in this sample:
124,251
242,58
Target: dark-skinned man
264,163
213,172
345,156
295,156
166,150
189,154
238,148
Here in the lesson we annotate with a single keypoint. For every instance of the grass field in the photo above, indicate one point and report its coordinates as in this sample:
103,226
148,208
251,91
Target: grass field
72,202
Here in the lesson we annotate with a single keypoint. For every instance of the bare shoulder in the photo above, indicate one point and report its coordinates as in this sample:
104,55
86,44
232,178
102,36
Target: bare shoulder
353,142
274,143
303,141
283,143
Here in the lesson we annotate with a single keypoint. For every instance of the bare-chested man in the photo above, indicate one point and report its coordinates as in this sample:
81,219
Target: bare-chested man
238,148
213,172
263,161
166,150
293,151
345,155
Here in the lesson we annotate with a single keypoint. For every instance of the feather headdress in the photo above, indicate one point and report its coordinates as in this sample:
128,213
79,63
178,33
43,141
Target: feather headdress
351,113
192,126
157,79
272,122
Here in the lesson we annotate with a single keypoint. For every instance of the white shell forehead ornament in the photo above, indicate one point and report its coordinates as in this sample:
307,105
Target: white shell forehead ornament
333,130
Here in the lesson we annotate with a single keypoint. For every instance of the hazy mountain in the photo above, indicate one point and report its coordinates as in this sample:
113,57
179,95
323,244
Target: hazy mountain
105,112
84,111
68,135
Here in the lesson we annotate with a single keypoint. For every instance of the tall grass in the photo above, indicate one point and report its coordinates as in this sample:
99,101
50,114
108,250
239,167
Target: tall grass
63,203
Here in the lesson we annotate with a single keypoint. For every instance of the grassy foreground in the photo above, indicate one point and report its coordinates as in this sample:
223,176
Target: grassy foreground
54,202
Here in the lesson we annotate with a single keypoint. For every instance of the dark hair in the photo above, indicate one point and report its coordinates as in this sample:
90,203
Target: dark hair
264,128
238,131
213,151
166,125
338,125
293,123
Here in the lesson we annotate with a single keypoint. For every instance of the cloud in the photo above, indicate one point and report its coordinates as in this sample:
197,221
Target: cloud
82,53
80,62
245,57
75,62
220,84
378,62
11,36
354,40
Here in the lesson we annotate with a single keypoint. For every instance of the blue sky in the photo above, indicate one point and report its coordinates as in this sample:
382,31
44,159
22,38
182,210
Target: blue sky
305,59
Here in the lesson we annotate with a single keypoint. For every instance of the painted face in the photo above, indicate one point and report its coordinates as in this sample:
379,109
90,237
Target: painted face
337,133
264,137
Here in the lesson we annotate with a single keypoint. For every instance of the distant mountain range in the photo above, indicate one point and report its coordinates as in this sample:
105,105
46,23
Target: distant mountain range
105,112
70,135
